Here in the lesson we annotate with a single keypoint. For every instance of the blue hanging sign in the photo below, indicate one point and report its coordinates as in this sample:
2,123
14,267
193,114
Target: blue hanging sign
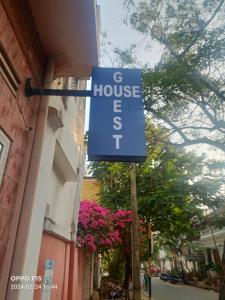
116,126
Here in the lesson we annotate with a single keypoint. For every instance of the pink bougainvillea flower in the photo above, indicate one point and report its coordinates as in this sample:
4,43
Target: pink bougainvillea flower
100,229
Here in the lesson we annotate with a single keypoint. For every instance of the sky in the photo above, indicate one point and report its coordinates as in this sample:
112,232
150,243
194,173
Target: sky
121,35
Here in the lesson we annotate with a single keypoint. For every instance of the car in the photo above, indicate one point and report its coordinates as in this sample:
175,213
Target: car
155,271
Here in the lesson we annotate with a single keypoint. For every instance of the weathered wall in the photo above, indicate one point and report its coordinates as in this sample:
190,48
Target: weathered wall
16,115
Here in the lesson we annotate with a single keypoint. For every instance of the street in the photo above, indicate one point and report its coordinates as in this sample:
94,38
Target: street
166,291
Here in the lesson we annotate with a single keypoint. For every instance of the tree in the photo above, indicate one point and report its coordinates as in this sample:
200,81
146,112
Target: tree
115,56
171,188
170,184
185,90
99,229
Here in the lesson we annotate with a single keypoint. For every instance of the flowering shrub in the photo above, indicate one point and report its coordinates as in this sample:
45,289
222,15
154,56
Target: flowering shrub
100,229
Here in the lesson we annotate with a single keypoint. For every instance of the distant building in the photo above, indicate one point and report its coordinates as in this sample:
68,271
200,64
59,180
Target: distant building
212,238
90,189
208,249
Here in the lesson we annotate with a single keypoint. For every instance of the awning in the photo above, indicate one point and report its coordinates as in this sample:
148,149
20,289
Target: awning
68,30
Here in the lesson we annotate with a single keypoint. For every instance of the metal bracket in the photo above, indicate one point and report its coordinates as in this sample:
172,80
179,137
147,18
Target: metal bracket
30,91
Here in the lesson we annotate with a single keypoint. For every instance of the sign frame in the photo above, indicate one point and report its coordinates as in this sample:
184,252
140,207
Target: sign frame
116,128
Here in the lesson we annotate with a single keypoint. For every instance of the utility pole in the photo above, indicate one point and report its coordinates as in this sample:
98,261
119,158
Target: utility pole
135,237
149,260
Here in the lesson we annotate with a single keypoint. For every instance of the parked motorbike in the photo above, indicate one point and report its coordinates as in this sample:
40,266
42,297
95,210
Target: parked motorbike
172,278
164,276
175,279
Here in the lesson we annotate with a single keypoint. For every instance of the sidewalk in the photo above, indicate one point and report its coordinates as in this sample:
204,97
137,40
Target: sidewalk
145,296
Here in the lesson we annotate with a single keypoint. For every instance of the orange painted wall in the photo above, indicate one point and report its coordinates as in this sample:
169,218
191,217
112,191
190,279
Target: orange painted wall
76,274
68,270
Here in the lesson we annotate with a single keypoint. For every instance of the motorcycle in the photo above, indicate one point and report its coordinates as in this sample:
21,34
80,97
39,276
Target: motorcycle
172,278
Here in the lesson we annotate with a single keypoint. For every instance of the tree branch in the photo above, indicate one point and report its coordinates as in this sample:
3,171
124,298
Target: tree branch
199,128
186,140
195,73
203,140
170,123
212,119
201,32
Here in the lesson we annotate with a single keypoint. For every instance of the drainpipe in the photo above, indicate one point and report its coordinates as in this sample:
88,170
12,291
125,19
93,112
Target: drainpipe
31,184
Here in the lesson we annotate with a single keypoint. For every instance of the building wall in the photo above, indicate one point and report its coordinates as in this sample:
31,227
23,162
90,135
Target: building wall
59,179
76,273
58,251
16,115
23,214
90,189
64,147
212,237
63,193
88,277
167,263
67,283
207,239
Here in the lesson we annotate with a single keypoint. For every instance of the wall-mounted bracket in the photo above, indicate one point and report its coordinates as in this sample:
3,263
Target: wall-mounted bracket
30,91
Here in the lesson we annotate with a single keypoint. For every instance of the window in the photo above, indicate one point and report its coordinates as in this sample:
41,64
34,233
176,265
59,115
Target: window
4,149
8,72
